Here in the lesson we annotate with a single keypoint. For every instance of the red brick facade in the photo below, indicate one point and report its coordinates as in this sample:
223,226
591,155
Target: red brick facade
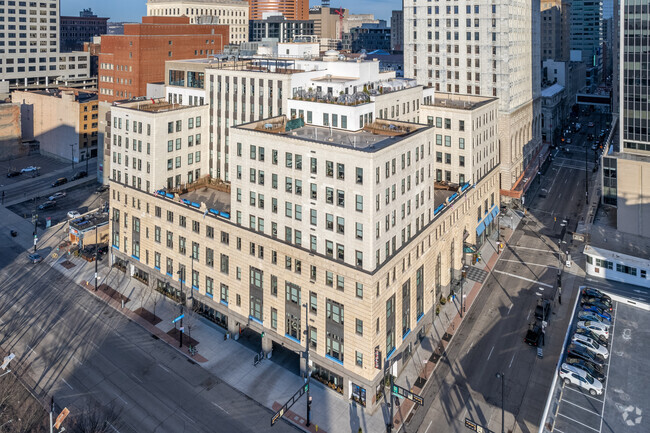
128,62
291,9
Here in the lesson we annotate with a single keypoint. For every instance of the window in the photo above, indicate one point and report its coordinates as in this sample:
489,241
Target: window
340,171
359,290
359,177
359,327
359,358
313,302
359,203
334,311
224,294
224,265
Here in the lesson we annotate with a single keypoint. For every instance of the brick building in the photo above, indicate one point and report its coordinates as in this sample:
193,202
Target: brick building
291,9
128,62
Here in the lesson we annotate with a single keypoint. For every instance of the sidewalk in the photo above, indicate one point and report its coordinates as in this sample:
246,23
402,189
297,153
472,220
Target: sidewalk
268,383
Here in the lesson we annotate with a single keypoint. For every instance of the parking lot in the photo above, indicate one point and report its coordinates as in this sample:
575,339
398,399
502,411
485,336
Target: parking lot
626,394
81,198
45,164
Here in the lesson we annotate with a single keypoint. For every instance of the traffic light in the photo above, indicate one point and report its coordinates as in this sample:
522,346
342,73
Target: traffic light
263,333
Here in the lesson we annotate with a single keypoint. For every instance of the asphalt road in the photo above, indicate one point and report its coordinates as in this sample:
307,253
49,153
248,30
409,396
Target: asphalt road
73,347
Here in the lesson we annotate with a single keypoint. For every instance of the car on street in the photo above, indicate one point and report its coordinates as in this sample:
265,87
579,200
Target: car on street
595,293
57,196
590,316
572,375
594,146
35,258
29,169
597,371
60,181
568,141
79,175
590,344
591,124
585,354
74,214
13,173
600,303
48,204
534,335
591,334
596,310
598,328
543,309
101,189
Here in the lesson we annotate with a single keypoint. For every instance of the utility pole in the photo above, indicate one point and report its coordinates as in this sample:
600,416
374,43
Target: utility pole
502,377
35,220
87,163
192,282
72,153
96,254
51,416
307,365
181,274
389,427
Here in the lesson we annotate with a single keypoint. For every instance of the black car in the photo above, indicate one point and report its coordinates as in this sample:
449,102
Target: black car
534,336
101,189
543,309
585,354
48,204
13,173
598,302
60,181
597,371
595,293
79,175
591,334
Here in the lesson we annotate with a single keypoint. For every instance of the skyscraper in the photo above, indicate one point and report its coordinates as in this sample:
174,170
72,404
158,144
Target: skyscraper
488,48
291,9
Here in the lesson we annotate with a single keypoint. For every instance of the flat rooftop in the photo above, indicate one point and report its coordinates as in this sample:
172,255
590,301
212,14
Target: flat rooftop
604,234
202,196
373,137
152,106
462,102
89,221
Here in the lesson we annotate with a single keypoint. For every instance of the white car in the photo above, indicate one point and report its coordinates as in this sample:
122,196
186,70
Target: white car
57,196
591,344
73,214
28,169
598,328
574,375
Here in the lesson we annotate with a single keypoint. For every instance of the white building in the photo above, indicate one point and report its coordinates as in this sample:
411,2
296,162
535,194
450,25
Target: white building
231,12
487,48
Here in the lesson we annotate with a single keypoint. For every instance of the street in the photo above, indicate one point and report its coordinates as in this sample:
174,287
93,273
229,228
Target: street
75,348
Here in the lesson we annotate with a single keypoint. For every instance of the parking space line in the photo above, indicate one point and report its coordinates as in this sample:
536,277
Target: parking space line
578,406
555,429
584,395
577,422
609,362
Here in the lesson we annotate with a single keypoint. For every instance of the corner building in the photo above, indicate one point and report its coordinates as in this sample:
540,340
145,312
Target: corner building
345,218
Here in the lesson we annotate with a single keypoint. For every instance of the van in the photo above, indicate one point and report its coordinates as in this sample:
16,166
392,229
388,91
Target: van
60,181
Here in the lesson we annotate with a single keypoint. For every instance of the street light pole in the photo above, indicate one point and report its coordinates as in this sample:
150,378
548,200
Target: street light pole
72,154
35,218
180,334
96,255
502,377
586,179
307,365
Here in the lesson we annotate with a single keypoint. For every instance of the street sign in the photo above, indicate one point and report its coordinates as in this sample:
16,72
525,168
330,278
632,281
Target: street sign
59,419
178,318
377,358
475,427
303,389
405,393
7,360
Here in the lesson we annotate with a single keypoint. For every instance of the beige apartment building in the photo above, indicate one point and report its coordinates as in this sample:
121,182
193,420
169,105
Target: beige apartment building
346,220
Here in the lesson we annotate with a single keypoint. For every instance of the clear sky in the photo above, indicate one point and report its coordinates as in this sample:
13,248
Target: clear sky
132,10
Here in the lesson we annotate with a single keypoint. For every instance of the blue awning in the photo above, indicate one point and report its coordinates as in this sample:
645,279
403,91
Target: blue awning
488,219
495,211
480,228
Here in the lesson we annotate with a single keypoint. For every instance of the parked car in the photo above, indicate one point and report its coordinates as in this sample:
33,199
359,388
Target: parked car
79,175
599,311
591,334
595,293
57,196
568,141
48,204
590,344
35,258
585,354
101,189
591,124
590,316
73,214
572,375
597,302
597,371
598,328
543,309
594,146
13,173
29,169
60,181
534,335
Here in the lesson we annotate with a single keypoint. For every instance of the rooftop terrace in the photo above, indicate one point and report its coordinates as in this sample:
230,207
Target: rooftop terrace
152,106
460,102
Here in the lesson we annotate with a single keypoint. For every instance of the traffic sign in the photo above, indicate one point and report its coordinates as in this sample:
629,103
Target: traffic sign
475,427
178,318
405,393
59,419
303,389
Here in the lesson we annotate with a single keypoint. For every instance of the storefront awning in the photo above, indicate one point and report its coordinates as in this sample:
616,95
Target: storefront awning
480,228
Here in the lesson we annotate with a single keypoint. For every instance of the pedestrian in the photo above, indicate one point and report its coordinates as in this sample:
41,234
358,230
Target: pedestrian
559,295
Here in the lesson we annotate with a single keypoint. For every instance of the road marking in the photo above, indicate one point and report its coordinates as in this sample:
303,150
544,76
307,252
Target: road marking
39,327
522,278
229,412
470,347
163,367
31,350
64,381
136,378
533,249
529,264
118,396
528,317
578,406
490,353
188,418
609,363
510,308
94,345
119,431
584,395
513,358
578,422
430,422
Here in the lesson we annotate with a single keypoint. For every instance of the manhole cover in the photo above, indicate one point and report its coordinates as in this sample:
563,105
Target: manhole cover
68,264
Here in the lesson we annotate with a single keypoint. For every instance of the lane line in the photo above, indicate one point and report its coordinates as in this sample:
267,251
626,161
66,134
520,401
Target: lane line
64,381
164,368
578,406
609,363
513,358
31,350
118,396
490,353
188,418
510,308
427,430
136,378
113,427
522,278
533,249
77,359
577,422
214,403
529,264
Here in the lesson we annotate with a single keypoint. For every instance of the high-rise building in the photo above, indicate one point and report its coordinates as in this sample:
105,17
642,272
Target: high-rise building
397,31
279,28
487,48
77,30
328,22
586,35
128,62
555,30
233,13
291,9
30,59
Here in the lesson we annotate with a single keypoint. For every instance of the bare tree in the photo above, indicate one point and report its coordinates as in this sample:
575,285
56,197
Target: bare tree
191,320
95,419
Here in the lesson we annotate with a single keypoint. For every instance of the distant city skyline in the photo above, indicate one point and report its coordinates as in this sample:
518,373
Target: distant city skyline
133,10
